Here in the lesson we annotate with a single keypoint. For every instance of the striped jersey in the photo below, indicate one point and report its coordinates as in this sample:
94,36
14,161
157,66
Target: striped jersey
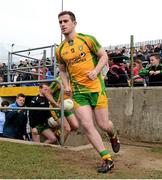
56,90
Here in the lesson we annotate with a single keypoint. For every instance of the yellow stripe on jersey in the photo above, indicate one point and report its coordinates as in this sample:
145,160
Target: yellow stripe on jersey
79,55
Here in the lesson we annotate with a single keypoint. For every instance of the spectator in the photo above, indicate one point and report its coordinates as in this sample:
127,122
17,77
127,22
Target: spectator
3,71
153,72
16,120
158,48
137,80
117,75
39,119
1,81
3,116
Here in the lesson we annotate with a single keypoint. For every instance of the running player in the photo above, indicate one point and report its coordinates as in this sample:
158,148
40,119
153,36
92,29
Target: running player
70,121
81,59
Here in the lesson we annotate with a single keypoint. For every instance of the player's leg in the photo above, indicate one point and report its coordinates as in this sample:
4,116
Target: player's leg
72,120
84,113
35,135
101,116
83,108
49,134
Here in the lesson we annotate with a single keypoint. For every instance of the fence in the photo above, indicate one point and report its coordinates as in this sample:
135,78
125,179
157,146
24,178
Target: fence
38,108
137,44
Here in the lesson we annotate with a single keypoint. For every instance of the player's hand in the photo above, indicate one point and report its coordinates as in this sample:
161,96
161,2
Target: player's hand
92,74
68,91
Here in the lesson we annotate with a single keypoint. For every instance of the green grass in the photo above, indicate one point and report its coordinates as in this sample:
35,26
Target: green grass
25,161
22,161
156,149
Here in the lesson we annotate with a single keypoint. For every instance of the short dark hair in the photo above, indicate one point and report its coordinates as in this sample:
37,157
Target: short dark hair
43,84
5,103
156,55
20,95
71,14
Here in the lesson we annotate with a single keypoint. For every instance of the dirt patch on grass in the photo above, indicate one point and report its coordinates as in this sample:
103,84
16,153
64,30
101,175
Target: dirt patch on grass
135,160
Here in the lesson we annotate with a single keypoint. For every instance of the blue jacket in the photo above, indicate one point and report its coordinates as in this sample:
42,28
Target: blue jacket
2,121
15,124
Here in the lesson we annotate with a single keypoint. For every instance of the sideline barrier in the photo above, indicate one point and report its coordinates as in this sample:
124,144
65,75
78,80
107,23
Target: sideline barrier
38,108
13,91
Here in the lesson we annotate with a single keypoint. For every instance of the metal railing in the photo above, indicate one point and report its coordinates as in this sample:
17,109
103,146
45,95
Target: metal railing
38,108
19,53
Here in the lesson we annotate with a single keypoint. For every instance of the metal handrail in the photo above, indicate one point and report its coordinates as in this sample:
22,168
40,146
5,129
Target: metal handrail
62,101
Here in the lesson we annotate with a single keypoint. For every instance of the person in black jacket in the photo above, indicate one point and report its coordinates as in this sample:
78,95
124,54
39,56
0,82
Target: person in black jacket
117,75
16,120
39,118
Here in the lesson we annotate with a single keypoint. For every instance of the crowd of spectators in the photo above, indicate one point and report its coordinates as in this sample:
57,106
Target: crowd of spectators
119,70
118,74
146,71
26,70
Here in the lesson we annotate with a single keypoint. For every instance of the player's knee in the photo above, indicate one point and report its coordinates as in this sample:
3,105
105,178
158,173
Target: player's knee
75,127
52,139
67,129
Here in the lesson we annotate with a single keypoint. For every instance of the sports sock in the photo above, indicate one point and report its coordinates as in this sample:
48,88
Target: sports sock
105,155
112,134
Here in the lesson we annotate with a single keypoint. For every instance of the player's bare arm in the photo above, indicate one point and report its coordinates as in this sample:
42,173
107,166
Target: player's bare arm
49,96
65,79
102,61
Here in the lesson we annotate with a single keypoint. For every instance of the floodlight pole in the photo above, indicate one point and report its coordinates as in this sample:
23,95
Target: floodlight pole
62,8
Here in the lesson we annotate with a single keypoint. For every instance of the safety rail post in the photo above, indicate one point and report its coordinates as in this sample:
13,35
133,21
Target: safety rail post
55,62
44,63
9,67
131,58
38,108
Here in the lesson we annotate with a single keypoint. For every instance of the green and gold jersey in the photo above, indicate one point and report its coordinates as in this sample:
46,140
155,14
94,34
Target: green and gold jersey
56,90
79,56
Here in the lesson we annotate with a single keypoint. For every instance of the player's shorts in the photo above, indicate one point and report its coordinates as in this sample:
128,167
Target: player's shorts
96,100
56,114
42,127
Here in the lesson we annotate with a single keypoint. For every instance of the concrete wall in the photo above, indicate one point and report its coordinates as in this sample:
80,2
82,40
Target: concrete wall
135,112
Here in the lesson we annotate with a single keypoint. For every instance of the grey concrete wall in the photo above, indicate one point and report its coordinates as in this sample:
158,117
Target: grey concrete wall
137,112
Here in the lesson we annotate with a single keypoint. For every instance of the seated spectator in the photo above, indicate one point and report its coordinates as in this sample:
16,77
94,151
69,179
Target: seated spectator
3,116
49,74
42,72
137,80
3,71
153,72
1,81
158,48
16,120
117,75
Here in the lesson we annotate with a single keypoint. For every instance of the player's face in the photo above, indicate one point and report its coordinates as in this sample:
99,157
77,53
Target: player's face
20,101
67,26
44,89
